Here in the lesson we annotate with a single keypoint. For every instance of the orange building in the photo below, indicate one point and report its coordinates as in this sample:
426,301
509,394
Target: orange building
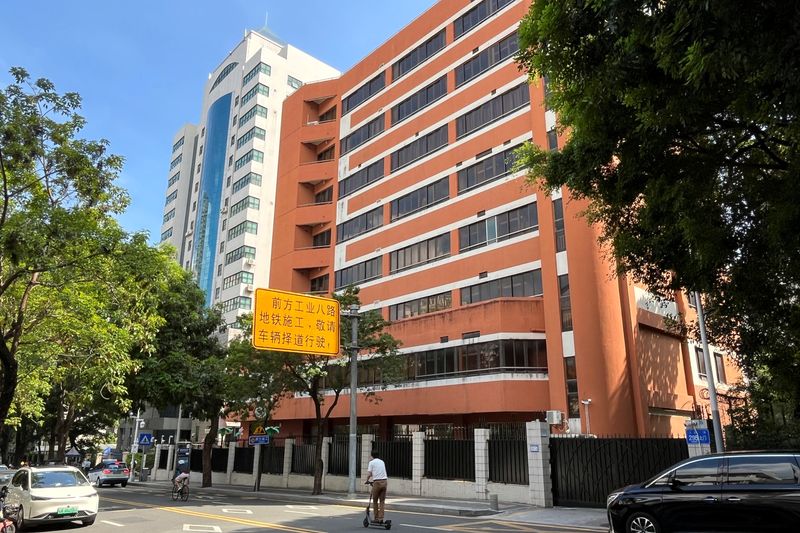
397,177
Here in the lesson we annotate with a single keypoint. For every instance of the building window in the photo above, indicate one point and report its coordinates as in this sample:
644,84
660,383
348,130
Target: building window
419,100
420,199
493,110
171,197
294,83
252,155
558,225
486,170
178,144
360,225
253,133
255,111
219,269
176,162
224,223
363,93
498,228
719,360
421,306
241,183
166,235
361,179
324,196
194,206
243,252
420,253
221,246
240,278
418,55
222,75
174,179
571,376
476,15
259,88
169,216
552,140
363,134
319,284
419,148
249,202
258,69
240,229
701,363
322,240
328,115
564,303
230,160
326,155
356,274
240,302
518,285
488,58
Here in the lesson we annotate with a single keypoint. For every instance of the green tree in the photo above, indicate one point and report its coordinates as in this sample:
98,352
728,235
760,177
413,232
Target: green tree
683,141
57,200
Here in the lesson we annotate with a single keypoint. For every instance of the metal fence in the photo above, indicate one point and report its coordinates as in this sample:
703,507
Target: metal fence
219,459
303,458
196,460
585,470
508,461
450,459
339,456
162,459
273,459
243,460
397,455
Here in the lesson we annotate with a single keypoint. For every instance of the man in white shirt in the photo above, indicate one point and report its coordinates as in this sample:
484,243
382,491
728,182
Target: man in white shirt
376,472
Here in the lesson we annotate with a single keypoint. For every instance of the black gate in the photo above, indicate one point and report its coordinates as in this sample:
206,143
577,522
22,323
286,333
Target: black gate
585,470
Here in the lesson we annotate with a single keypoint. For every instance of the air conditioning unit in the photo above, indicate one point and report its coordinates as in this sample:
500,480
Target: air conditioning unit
224,209
313,123
248,288
249,261
553,417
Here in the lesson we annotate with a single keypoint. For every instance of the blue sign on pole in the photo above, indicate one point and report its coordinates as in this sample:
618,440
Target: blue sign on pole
703,436
145,439
692,437
254,440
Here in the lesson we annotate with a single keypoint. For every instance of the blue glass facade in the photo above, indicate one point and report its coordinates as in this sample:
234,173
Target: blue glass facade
210,200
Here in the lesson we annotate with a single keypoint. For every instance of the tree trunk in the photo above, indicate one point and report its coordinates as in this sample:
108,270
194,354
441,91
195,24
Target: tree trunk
208,445
63,433
318,466
8,384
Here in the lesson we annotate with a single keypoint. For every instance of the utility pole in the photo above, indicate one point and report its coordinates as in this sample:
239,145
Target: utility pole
586,403
177,438
135,443
353,314
712,384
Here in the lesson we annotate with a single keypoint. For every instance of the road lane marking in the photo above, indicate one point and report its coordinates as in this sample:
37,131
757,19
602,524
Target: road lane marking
237,511
426,527
300,512
240,521
109,522
202,528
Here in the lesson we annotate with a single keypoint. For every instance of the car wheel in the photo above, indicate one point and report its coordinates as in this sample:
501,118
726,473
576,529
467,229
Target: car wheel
642,523
21,519
89,521
124,483
98,482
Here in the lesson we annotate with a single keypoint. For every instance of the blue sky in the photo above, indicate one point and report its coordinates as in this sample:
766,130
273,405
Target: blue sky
140,65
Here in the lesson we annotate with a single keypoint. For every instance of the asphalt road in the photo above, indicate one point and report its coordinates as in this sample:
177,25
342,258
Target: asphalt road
150,509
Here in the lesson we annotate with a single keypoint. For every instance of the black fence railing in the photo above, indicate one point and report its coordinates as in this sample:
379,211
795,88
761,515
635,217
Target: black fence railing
219,459
196,460
450,459
586,470
303,459
162,459
243,460
339,456
397,455
508,461
273,459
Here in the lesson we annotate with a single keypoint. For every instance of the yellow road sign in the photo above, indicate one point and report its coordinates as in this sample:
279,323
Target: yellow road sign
292,322
258,430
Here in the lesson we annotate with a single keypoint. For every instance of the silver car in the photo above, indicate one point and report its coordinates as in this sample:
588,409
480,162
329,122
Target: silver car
52,494
109,472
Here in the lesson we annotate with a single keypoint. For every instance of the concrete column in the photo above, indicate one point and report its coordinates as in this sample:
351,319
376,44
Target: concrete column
482,463
231,456
256,461
326,450
540,486
157,460
366,450
418,461
170,460
288,451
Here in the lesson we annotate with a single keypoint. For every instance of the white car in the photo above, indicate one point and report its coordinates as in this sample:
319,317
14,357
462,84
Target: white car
52,494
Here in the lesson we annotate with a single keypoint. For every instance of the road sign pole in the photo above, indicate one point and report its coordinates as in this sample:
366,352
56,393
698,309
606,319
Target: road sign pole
353,390
712,385
134,444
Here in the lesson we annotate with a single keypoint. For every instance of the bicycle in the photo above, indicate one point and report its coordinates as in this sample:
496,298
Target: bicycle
181,491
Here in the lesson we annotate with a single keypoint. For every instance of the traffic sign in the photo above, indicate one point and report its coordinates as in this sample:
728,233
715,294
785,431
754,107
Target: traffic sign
293,322
703,436
145,439
254,440
258,430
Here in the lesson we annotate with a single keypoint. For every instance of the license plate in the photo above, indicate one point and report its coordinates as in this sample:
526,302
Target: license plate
67,510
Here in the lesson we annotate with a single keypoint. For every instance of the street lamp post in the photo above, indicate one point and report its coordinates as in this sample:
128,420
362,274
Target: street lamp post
586,403
135,443
712,385
352,447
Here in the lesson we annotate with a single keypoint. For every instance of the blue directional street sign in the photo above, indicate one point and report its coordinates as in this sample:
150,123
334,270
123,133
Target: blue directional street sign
703,436
254,440
145,439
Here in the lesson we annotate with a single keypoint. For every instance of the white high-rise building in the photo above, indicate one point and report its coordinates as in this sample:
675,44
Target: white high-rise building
220,197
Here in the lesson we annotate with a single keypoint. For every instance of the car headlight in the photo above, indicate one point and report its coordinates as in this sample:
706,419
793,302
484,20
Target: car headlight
611,497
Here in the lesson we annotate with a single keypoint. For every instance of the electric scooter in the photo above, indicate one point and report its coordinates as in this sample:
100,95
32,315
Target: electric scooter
8,513
368,521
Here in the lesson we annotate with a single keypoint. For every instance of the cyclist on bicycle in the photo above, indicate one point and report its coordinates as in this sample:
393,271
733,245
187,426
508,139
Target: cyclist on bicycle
180,478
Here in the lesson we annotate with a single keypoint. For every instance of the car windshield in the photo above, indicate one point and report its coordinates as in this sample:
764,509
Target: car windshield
56,478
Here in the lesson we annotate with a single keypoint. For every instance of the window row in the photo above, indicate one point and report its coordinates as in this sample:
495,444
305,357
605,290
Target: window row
363,134
256,110
174,179
498,228
420,253
240,278
246,180
359,225
361,179
418,55
293,82
494,109
249,202
166,235
176,162
356,274
488,58
486,170
171,197
419,148
518,285
324,196
259,88
253,133
476,15
319,284
169,216
224,74
252,155
242,252
321,240
363,93
261,67
421,306
240,302
420,199
245,227
178,144
419,100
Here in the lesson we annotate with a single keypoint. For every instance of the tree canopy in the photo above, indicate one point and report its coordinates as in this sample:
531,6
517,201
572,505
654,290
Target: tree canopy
682,136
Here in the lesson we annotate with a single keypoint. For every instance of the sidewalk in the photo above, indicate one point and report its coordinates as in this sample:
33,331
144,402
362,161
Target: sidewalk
568,517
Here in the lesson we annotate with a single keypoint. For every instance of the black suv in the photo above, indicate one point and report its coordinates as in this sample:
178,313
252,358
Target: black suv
748,492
